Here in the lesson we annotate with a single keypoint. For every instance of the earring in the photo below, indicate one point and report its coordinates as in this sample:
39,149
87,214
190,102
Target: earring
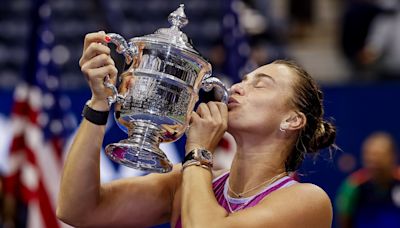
283,126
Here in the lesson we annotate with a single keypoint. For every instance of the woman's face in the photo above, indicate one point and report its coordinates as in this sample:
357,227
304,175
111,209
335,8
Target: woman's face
262,100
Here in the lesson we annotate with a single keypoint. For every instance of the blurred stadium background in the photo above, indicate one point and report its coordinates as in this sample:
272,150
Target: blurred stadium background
355,60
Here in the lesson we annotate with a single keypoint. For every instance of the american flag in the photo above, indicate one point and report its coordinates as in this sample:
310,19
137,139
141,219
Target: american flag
40,124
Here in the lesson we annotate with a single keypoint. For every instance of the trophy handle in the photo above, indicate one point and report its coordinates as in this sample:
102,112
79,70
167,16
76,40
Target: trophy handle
209,83
129,50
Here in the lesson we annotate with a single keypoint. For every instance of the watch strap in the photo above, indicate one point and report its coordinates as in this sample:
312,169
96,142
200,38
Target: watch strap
189,157
94,116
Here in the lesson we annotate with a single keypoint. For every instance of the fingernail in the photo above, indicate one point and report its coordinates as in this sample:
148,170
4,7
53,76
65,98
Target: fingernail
107,39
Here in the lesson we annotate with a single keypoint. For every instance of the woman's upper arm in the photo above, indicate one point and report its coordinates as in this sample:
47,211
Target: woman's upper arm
137,202
300,205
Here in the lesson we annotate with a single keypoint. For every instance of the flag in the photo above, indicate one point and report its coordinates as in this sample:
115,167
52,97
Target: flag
40,124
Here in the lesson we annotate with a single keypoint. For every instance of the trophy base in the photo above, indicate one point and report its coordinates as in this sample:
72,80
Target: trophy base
135,156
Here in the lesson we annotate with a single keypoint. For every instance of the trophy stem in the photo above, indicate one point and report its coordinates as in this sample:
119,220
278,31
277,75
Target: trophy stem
141,150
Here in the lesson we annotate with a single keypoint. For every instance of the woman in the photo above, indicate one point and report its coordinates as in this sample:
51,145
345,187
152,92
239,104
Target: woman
275,115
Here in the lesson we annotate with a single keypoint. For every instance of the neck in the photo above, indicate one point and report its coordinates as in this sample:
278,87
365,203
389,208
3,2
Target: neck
384,176
255,163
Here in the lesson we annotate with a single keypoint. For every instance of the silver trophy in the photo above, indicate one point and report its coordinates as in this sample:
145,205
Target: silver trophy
156,96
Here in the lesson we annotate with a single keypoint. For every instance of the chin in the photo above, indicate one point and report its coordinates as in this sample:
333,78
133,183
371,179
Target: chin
233,126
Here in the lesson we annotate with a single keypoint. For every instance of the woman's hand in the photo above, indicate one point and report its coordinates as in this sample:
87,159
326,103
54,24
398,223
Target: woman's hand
96,64
207,126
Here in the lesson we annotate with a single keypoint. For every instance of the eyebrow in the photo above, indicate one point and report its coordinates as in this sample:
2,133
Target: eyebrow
260,75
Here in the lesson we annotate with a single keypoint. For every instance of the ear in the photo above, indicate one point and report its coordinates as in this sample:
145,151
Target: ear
296,120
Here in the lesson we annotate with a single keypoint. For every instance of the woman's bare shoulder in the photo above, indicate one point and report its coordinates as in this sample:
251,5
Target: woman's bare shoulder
308,189
301,202
302,192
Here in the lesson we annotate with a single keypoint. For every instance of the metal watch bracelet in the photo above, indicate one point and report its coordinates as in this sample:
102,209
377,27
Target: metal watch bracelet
196,163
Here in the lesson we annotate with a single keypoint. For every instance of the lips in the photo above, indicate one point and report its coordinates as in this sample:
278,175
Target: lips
232,102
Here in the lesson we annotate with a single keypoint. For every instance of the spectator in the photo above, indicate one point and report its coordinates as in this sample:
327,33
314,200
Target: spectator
356,23
370,197
382,47
301,16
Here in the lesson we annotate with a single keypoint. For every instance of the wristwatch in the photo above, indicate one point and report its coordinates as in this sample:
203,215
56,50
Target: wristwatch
200,157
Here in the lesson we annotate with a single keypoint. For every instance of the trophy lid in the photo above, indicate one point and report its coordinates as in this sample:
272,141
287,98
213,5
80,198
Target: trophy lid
173,35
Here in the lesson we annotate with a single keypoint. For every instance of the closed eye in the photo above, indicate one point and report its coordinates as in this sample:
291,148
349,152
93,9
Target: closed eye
260,80
260,84
262,76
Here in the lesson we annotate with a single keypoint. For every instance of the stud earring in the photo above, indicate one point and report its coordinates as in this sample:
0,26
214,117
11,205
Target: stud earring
283,126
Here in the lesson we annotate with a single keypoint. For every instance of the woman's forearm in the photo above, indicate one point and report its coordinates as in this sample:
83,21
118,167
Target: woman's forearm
199,205
80,183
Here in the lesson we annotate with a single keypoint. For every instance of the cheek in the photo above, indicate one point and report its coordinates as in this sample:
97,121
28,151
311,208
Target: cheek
388,161
251,118
234,118
267,108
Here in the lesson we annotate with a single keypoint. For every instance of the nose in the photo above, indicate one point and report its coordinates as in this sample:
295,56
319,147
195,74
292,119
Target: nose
237,89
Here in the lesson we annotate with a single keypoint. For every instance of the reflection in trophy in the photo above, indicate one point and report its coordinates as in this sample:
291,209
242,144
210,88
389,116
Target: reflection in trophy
156,96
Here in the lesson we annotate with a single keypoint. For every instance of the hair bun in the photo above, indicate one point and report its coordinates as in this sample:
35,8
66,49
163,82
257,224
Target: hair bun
324,137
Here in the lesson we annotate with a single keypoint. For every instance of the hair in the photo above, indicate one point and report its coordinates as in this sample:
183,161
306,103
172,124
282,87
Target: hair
317,133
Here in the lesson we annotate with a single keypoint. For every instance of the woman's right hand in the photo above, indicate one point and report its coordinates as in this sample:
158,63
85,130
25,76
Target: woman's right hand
96,63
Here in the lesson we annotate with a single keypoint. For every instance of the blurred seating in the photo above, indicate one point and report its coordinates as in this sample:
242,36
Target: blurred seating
72,19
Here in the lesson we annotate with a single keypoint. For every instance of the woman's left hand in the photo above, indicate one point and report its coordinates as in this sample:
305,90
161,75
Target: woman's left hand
207,126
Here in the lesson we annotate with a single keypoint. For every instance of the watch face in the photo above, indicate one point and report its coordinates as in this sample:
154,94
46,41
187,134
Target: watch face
205,154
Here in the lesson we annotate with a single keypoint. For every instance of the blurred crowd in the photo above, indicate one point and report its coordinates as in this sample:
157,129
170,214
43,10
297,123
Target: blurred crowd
364,32
367,34
371,39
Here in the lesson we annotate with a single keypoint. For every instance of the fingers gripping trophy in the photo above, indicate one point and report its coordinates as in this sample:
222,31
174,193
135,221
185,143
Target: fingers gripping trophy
154,99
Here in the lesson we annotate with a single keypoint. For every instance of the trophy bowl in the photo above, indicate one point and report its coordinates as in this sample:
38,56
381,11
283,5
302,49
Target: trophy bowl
156,96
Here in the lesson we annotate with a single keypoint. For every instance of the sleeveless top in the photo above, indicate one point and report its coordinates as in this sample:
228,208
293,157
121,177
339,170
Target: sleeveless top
231,205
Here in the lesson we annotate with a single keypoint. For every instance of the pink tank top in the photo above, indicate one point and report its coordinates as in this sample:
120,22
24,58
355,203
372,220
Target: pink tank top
231,205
